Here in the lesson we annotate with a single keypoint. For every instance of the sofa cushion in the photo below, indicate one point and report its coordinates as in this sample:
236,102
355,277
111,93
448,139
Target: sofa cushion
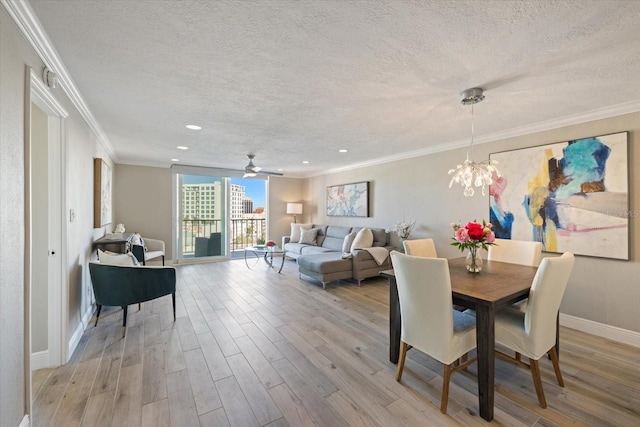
379,235
334,237
348,241
296,231
308,249
325,263
308,237
364,239
117,259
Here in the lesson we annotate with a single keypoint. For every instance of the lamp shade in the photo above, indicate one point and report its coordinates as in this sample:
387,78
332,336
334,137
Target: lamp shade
294,208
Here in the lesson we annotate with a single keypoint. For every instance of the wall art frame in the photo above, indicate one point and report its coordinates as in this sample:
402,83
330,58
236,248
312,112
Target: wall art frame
571,196
348,199
102,188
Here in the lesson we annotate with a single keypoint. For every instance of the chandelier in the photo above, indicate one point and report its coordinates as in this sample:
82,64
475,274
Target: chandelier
470,173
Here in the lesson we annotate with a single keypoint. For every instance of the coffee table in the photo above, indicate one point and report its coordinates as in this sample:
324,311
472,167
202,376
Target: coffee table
267,253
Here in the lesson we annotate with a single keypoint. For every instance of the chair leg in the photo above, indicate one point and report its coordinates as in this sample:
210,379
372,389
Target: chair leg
97,315
553,354
537,382
403,355
463,360
173,298
162,259
124,321
444,400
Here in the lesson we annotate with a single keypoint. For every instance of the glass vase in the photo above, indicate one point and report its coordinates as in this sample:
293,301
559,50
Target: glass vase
474,260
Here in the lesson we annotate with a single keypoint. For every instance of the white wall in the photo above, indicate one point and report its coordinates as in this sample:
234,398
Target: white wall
283,190
600,290
81,147
143,200
12,352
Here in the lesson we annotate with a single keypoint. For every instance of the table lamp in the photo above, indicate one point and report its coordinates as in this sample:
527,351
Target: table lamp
294,209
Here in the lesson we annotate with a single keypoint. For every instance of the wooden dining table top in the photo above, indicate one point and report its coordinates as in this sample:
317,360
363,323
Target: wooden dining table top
498,282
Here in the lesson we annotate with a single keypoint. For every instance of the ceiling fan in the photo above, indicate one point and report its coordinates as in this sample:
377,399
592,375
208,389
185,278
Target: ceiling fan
252,170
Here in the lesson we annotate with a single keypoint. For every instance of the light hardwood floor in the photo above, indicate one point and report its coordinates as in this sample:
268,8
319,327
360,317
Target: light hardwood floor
256,348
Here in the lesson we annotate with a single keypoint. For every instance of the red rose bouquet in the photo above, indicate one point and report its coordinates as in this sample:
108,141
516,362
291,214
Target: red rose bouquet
473,236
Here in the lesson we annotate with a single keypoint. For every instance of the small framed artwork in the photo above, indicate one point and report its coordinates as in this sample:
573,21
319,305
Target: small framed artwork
348,199
571,196
102,182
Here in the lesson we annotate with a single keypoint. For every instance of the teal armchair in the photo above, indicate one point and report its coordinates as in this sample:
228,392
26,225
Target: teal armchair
119,285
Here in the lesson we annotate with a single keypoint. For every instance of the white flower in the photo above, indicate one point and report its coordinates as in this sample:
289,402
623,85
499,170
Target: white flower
403,228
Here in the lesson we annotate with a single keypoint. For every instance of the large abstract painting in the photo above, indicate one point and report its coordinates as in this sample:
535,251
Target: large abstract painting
571,196
348,199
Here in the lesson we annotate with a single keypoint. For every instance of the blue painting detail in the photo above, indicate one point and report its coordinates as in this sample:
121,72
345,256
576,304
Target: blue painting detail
502,223
581,170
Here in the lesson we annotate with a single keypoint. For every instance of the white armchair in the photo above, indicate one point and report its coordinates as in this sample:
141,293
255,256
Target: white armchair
153,249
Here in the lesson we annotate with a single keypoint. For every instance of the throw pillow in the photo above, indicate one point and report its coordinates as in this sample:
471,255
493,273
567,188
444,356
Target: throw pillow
364,239
116,259
296,229
348,241
308,237
136,239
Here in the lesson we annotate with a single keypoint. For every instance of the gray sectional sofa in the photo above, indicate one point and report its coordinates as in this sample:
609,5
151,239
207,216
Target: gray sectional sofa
324,261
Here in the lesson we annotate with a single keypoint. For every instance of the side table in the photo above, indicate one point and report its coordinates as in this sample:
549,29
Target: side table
266,253
113,245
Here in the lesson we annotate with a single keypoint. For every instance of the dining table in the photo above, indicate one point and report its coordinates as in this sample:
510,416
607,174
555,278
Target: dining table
498,285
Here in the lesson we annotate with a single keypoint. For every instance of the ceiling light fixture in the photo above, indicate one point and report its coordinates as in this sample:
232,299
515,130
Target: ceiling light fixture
175,160
343,151
193,127
472,173
182,147
305,162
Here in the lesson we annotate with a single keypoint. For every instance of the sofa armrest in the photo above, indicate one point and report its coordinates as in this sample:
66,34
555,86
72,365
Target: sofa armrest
285,240
361,255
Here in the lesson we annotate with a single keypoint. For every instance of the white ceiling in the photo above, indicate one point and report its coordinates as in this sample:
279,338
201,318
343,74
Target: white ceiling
298,80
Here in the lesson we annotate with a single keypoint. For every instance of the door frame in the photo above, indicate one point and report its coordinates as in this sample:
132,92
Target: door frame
41,95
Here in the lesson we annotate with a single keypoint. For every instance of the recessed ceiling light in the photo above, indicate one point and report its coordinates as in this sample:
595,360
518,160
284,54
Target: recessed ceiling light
280,170
175,160
182,147
193,127
343,151
305,161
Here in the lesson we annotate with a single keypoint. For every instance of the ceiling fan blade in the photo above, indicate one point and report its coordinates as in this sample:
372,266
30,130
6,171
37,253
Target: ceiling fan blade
269,173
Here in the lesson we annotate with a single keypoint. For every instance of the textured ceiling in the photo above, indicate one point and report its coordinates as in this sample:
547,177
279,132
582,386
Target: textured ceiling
298,80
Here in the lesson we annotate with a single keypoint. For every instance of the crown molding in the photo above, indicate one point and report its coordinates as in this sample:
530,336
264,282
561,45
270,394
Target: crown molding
597,114
31,29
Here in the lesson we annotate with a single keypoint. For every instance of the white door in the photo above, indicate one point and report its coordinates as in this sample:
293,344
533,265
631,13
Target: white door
46,228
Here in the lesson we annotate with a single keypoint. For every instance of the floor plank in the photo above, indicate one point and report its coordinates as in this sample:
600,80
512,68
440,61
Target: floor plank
258,348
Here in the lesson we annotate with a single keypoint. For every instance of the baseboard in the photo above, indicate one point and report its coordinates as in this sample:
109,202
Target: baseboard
39,360
601,330
77,334
25,421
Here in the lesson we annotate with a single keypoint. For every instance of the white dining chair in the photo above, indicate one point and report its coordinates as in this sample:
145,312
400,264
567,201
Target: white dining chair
429,322
420,247
516,252
532,333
